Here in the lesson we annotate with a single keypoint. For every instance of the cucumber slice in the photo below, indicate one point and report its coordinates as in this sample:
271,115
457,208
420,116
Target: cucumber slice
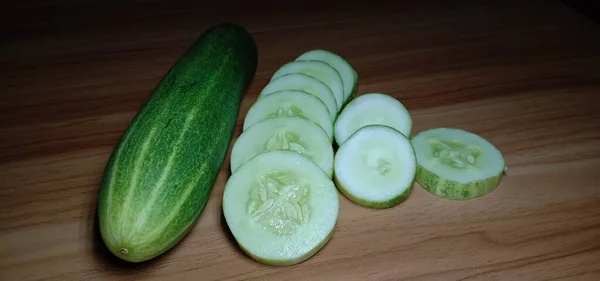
319,70
456,164
280,207
348,74
290,133
290,103
303,82
371,109
375,167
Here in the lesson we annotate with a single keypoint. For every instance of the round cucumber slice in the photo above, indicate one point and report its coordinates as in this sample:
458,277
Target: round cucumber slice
290,103
280,207
371,109
456,164
303,82
347,73
375,167
289,133
319,70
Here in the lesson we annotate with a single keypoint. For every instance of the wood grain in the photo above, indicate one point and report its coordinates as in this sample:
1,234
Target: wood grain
526,76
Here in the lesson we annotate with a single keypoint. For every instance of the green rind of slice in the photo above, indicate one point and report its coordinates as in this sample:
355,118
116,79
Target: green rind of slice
454,190
319,70
295,134
290,103
306,83
354,89
353,93
371,109
457,164
392,202
375,167
346,71
291,261
280,207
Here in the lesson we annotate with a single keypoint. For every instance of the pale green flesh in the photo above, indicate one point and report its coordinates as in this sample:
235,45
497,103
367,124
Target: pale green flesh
457,164
375,167
290,133
303,82
280,207
371,109
319,70
290,103
347,73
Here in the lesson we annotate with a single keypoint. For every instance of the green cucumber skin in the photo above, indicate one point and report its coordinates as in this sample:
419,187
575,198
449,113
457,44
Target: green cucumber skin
352,95
160,175
374,204
294,261
454,190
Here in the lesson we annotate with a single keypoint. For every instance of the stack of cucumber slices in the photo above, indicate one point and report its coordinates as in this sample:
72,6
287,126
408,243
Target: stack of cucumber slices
281,203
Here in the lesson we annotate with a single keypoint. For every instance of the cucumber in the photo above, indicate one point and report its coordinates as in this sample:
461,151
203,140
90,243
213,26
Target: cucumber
160,175
280,207
371,109
290,103
375,167
457,164
319,70
303,82
290,133
347,73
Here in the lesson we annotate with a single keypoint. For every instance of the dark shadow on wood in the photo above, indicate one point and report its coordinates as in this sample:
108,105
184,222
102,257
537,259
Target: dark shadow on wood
587,8
109,261
229,235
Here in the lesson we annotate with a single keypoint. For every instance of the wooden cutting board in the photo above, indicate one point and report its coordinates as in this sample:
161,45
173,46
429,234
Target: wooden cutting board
526,76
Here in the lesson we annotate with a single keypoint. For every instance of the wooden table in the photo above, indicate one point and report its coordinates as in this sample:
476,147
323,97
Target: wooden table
526,76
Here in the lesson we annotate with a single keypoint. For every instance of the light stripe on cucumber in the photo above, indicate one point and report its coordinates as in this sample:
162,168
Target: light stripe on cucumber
371,109
319,70
290,103
457,164
288,133
160,175
375,167
280,207
303,82
347,73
